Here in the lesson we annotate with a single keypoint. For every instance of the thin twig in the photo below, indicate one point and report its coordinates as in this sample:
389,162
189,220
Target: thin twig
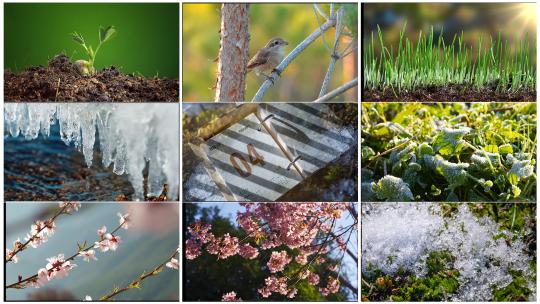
334,56
320,11
136,283
349,85
32,237
292,55
18,284
316,9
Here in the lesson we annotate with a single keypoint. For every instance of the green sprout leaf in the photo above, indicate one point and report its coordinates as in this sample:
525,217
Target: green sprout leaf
77,38
106,33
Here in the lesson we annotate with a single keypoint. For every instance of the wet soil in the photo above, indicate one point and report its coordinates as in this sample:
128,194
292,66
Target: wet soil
451,92
60,81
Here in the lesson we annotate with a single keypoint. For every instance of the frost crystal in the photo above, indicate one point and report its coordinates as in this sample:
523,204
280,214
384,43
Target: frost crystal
130,136
401,235
520,167
393,189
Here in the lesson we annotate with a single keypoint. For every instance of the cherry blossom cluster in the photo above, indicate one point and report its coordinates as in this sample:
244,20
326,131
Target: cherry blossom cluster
40,231
230,297
302,231
58,267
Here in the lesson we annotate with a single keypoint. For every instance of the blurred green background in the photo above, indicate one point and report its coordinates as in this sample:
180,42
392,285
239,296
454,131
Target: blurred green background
513,20
301,81
147,39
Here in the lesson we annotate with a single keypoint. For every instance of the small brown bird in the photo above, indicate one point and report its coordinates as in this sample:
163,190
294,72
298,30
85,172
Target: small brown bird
268,58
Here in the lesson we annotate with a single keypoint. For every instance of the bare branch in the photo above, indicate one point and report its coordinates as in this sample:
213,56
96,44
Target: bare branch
346,51
335,56
318,9
315,10
349,85
292,55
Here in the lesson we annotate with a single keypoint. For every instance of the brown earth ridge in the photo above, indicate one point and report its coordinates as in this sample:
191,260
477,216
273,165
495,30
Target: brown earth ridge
450,93
61,82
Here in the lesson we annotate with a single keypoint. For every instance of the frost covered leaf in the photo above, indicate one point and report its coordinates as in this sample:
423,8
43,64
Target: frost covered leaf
394,189
455,174
450,141
389,129
522,169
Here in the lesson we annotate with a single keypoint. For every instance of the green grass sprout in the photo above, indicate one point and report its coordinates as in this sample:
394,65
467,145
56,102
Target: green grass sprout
86,67
432,62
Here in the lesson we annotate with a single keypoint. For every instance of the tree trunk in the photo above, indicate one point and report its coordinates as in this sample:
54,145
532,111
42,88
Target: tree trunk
233,52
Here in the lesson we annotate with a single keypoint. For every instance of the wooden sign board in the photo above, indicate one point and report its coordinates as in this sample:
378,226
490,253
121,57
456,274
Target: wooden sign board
267,153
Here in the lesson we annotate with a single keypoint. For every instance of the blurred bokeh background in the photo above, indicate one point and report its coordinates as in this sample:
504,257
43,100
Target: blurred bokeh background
150,240
514,21
147,39
301,81
207,279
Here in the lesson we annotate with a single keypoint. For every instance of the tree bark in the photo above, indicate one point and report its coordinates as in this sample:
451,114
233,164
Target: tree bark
233,52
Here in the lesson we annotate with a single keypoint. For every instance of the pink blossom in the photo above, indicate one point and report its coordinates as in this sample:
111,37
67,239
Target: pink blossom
313,279
193,249
292,293
301,259
113,241
230,297
70,206
10,256
101,232
274,284
248,252
35,240
278,261
228,246
124,220
102,245
173,263
245,220
41,280
87,255
319,260
331,287
58,267
200,231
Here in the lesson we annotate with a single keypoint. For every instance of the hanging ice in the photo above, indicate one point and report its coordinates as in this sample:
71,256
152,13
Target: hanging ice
130,136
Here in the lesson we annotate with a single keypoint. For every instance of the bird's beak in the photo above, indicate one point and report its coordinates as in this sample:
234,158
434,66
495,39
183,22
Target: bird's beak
285,42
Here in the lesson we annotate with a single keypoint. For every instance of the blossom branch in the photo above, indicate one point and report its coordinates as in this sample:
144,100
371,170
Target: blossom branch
38,229
170,262
44,274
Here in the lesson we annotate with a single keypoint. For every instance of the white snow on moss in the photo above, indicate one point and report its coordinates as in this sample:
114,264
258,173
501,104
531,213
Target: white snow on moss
401,235
130,135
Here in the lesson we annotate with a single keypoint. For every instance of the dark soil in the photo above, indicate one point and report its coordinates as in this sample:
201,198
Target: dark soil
61,82
451,92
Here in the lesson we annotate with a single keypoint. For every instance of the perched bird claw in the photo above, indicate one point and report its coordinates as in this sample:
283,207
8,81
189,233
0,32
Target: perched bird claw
278,72
270,78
